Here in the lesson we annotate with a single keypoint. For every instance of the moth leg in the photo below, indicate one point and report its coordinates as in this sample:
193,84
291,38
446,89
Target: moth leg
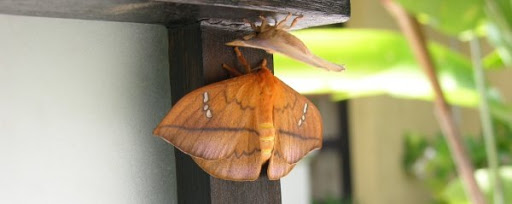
275,21
264,23
264,64
295,21
281,23
248,37
253,26
242,60
231,70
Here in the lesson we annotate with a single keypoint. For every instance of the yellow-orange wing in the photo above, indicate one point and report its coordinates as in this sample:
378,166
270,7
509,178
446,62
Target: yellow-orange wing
215,124
298,130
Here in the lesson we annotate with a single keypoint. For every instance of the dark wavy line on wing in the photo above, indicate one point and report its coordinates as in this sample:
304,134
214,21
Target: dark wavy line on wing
243,153
213,129
288,105
296,135
239,103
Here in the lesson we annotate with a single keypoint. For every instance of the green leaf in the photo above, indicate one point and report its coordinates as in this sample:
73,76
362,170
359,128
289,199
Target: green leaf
449,16
493,61
414,147
499,28
454,192
378,62
501,111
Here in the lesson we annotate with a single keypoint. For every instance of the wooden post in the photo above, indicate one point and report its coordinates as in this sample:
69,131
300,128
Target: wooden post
344,151
196,53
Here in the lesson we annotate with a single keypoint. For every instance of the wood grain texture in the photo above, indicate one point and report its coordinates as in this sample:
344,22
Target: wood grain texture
196,53
224,13
259,191
186,74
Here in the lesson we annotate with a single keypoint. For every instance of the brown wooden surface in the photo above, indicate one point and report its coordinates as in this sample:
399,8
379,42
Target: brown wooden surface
344,151
225,13
195,54
186,74
260,191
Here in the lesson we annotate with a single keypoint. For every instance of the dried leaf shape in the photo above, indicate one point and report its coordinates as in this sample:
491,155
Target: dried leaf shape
276,39
233,127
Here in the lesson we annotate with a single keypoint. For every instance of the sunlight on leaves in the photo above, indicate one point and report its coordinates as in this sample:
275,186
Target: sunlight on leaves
378,62
451,17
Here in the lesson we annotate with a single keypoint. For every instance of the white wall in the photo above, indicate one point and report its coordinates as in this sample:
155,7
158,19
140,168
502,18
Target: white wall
296,186
78,102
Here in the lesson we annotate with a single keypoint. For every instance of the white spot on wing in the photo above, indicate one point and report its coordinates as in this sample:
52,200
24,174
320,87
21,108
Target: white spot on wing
206,107
205,97
303,118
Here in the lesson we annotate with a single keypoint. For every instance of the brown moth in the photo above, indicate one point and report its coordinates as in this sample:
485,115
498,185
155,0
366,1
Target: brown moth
276,38
234,127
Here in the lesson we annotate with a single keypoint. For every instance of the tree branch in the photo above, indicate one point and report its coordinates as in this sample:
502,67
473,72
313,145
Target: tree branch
412,32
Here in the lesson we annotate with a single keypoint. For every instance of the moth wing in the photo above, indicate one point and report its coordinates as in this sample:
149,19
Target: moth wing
240,165
287,44
278,166
298,130
211,122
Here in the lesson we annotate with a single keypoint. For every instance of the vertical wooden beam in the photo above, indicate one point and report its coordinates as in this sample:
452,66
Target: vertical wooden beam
344,150
196,53
186,74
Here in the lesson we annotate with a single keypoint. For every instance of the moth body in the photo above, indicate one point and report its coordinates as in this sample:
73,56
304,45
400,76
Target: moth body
264,119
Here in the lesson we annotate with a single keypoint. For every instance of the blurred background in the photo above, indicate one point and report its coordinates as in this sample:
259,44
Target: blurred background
382,142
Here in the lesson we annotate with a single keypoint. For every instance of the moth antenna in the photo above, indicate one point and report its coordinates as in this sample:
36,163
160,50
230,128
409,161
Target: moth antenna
281,23
231,70
242,60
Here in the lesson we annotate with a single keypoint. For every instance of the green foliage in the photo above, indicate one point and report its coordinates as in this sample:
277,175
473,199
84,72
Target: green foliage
454,191
449,16
465,18
381,62
493,61
378,62
501,111
499,27
416,144
432,163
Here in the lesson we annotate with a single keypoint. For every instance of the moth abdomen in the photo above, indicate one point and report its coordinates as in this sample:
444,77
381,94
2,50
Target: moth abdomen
267,136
